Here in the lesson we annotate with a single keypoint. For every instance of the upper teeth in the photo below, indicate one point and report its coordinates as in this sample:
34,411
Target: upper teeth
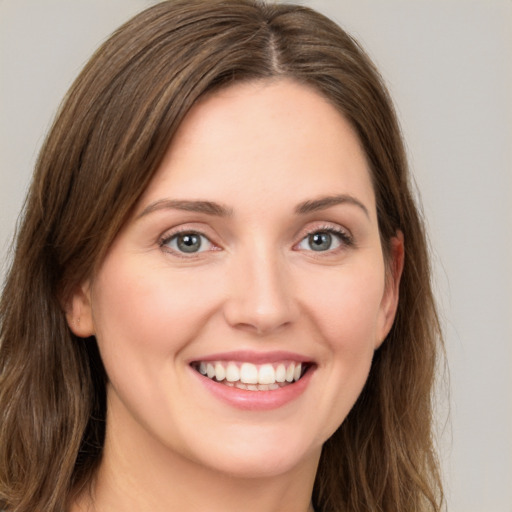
249,373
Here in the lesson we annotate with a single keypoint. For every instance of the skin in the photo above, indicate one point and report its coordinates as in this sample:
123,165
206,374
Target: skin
259,150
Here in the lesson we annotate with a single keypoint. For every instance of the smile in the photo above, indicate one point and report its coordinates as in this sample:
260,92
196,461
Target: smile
252,377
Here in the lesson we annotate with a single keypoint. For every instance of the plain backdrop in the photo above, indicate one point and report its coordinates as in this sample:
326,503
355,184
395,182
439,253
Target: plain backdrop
448,65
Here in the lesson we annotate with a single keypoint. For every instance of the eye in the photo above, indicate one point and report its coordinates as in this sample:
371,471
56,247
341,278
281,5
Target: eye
187,243
324,240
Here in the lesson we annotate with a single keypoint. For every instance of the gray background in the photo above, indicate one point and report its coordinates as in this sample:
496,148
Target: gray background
448,64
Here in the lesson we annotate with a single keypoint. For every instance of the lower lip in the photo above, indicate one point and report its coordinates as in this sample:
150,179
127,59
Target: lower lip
256,400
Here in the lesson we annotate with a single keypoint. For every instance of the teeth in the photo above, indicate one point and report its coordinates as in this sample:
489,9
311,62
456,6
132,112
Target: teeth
266,374
250,376
220,372
232,373
249,373
297,372
280,373
254,387
290,371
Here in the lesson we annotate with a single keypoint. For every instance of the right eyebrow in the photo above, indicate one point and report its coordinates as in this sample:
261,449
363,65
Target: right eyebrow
208,207
327,202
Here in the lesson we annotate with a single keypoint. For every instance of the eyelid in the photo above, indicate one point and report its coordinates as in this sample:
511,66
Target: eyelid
344,236
169,235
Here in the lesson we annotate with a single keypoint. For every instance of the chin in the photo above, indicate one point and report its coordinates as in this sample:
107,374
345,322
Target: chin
271,465
258,454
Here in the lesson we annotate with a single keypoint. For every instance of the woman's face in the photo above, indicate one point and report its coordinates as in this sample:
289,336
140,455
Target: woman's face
254,257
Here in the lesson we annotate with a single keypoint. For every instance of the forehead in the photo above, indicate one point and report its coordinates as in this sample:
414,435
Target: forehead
268,138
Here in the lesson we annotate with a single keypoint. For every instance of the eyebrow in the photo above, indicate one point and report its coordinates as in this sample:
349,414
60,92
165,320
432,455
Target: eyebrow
219,210
327,202
208,207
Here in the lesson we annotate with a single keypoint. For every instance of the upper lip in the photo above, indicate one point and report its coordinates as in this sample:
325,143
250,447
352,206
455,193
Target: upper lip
254,357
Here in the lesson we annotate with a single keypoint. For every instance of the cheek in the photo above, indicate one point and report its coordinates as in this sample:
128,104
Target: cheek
148,312
346,305
145,316
343,311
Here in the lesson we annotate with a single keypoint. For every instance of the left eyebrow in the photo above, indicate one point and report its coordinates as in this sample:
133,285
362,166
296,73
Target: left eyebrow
327,202
208,207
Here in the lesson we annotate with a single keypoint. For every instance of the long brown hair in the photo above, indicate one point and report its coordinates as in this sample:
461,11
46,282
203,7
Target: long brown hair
107,141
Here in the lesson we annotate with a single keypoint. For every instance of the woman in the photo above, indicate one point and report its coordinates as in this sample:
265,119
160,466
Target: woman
220,296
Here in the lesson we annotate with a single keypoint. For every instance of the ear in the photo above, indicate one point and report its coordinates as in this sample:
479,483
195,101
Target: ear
389,302
79,311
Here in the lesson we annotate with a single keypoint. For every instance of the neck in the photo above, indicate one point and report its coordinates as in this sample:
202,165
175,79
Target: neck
138,474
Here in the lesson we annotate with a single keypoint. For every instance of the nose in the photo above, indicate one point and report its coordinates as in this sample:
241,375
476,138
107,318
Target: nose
260,295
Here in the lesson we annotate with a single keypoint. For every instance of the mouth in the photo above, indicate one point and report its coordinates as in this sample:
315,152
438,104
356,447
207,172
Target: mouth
253,377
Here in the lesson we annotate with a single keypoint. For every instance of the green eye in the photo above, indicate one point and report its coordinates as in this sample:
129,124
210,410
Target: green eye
320,241
188,243
323,240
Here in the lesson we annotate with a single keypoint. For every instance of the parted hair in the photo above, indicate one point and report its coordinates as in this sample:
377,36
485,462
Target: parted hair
108,139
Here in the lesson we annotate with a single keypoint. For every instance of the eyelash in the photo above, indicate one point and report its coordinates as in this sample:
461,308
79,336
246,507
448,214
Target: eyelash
345,238
167,238
343,234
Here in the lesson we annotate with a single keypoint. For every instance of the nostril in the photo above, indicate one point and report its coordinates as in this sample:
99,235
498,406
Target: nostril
242,315
260,298
262,328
